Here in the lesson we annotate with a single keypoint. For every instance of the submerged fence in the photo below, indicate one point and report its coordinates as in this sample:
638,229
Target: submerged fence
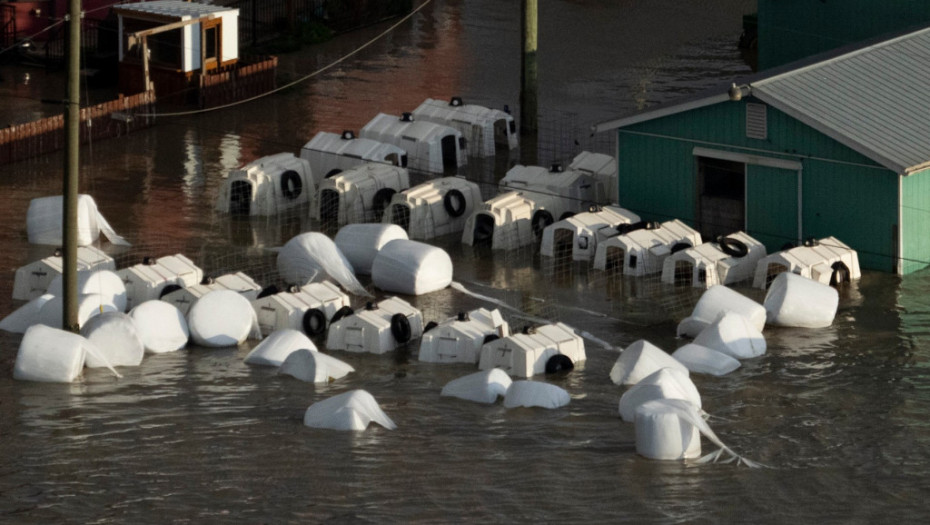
106,120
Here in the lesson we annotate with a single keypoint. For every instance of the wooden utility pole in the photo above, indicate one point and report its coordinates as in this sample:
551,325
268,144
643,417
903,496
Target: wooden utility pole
69,226
528,102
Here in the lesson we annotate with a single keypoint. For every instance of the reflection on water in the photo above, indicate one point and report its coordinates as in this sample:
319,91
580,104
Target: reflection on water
199,436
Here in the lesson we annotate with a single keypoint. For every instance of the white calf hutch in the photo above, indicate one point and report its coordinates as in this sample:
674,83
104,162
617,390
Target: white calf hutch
504,222
309,308
377,328
730,260
435,208
827,261
643,251
152,278
184,297
484,129
576,190
459,340
430,147
360,194
600,166
534,352
267,186
578,236
329,153
32,280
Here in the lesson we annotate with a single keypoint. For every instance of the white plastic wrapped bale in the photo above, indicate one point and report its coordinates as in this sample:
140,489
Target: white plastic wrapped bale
731,260
50,355
313,256
544,349
222,318
459,340
377,328
25,316
161,326
715,301
274,349
352,410
430,147
506,222
52,311
702,360
329,153
267,186
531,394
152,278
480,387
360,243
186,296
578,236
662,434
33,279
435,208
827,261
115,335
665,383
44,220
360,194
309,308
314,367
643,251
639,360
733,335
484,129
793,300
411,267
100,282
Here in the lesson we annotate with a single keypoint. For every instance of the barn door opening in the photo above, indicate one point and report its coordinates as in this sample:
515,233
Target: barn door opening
721,197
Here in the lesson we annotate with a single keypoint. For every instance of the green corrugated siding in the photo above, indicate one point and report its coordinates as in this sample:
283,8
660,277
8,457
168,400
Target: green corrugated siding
793,29
772,217
847,196
915,215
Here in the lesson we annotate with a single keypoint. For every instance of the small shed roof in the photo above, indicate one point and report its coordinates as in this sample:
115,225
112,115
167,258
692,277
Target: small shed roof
869,98
171,9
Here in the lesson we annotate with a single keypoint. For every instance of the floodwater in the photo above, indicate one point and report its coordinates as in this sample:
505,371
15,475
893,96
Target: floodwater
839,415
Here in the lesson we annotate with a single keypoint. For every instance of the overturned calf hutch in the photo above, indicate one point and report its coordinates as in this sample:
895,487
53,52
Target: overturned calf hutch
484,129
309,308
435,208
329,153
32,280
643,251
544,349
430,147
153,278
827,261
577,237
377,328
730,260
267,186
360,194
459,340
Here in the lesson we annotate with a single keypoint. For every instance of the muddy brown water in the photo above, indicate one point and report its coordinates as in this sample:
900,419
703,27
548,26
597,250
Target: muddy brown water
839,414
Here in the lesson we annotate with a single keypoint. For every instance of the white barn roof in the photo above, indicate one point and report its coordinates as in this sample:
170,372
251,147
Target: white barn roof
172,9
870,99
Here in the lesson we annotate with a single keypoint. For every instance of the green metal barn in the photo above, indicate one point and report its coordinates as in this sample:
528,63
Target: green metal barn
836,147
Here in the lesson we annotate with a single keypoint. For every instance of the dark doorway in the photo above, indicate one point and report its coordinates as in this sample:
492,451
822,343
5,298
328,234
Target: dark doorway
449,158
240,197
721,195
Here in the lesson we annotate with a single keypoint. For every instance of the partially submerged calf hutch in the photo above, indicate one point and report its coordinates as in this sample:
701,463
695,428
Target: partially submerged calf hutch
329,153
578,236
643,251
434,208
309,308
543,349
184,297
484,129
153,278
504,222
430,147
378,328
32,280
360,194
827,261
459,339
267,186
730,260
